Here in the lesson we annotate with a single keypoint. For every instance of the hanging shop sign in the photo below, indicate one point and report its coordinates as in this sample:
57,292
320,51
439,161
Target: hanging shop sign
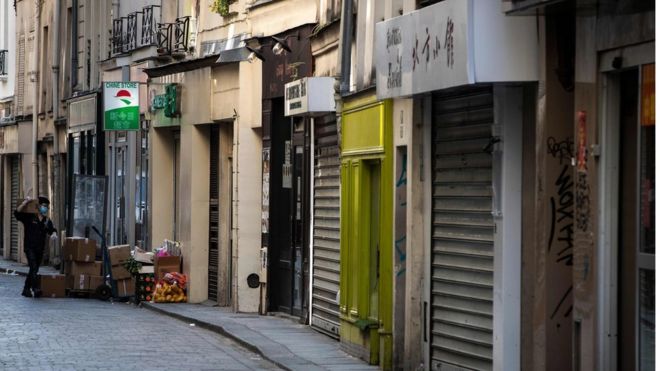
121,106
170,102
309,95
453,43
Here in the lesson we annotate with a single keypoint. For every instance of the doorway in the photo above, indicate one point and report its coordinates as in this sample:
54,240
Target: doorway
636,226
289,215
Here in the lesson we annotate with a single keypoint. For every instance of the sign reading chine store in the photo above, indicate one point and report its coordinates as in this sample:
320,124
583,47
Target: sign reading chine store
121,106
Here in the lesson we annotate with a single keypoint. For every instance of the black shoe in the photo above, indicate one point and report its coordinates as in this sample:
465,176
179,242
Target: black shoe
37,293
26,293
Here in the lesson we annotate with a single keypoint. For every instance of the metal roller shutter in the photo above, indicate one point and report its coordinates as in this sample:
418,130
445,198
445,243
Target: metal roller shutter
13,227
214,212
462,231
325,284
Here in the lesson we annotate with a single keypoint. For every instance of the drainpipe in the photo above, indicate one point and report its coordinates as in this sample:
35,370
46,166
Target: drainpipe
74,45
346,37
35,98
342,84
55,79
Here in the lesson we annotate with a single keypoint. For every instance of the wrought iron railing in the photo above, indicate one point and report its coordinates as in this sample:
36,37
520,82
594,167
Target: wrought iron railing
148,36
173,37
3,63
181,31
136,30
164,38
118,36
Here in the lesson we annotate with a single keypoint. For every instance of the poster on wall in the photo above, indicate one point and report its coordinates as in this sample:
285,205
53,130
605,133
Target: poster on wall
121,106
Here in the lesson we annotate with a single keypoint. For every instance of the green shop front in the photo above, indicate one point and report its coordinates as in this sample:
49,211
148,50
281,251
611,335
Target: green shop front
366,229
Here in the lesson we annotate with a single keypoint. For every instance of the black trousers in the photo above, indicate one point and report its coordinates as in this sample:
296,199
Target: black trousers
34,261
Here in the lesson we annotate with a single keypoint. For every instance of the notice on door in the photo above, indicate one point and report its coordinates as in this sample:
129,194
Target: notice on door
121,106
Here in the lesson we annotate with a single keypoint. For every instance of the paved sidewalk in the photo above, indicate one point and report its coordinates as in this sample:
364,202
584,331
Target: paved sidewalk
282,341
12,267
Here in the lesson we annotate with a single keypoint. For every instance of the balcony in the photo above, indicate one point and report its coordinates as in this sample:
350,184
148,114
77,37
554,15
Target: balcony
135,31
173,38
4,63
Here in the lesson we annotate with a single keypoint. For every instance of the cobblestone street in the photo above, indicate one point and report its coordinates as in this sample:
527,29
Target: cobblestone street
88,334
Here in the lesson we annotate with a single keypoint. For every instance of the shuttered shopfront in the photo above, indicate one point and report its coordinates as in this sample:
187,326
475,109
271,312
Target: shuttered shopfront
462,230
214,212
14,166
325,284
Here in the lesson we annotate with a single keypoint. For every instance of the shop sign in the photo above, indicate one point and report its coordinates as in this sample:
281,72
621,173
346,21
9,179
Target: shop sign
170,102
453,43
121,106
309,95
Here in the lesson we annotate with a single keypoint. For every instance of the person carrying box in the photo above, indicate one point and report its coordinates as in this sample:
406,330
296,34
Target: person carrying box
36,228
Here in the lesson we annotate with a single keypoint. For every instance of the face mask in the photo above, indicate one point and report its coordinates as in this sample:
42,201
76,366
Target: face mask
43,210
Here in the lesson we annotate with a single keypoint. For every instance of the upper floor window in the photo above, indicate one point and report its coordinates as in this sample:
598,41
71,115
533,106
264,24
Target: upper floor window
3,62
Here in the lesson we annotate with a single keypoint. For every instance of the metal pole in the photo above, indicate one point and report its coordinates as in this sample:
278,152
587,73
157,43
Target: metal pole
55,79
35,98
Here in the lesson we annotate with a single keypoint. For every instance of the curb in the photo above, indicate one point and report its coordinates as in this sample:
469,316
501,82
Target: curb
12,271
220,330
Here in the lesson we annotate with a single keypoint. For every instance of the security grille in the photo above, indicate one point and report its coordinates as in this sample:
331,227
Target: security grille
214,213
325,309
462,231
13,227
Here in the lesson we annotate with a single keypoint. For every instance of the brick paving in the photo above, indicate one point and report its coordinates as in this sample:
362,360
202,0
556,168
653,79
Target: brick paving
88,334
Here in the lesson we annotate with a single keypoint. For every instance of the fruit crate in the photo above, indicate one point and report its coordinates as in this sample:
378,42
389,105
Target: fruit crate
145,284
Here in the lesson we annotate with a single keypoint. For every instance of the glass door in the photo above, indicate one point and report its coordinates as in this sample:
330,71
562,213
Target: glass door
636,303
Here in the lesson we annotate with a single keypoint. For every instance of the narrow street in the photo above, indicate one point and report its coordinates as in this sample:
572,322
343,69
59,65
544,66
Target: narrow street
88,334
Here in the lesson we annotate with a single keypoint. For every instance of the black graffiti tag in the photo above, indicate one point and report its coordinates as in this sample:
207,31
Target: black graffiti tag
561,218
561,150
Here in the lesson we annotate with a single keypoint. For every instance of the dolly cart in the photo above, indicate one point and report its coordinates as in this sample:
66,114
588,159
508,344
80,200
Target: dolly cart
108,289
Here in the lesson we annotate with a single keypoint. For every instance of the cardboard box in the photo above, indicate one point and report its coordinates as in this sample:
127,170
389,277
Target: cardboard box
120,273
79,249
166,264
143,256
53,285
32,207
88,269
125,287
95,281
78,282
119,254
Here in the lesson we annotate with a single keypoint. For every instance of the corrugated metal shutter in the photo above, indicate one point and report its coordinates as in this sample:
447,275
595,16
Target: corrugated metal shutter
13,227
325,284
20,77
463,231
214,213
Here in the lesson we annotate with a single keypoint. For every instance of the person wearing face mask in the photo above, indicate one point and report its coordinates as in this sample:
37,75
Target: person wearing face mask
36,229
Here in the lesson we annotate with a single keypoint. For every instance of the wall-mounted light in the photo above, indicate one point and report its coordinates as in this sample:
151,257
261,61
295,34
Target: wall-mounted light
254,53
280,45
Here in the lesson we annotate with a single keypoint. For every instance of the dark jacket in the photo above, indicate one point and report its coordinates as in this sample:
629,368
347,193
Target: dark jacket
35,231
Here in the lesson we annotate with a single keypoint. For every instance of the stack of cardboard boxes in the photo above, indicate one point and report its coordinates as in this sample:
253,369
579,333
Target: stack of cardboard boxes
118,255
82,271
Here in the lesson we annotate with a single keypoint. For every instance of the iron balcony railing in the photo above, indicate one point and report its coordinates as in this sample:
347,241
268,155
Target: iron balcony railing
134,31
172,38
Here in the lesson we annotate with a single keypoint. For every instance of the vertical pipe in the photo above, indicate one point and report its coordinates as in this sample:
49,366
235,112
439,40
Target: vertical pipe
74,45
55,79
346,37
311,216
35,97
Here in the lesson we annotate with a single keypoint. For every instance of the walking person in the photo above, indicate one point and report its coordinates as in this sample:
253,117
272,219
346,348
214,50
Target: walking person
37,227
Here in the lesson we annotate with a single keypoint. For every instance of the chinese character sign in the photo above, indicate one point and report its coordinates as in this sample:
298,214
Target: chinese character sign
121,106
423,51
